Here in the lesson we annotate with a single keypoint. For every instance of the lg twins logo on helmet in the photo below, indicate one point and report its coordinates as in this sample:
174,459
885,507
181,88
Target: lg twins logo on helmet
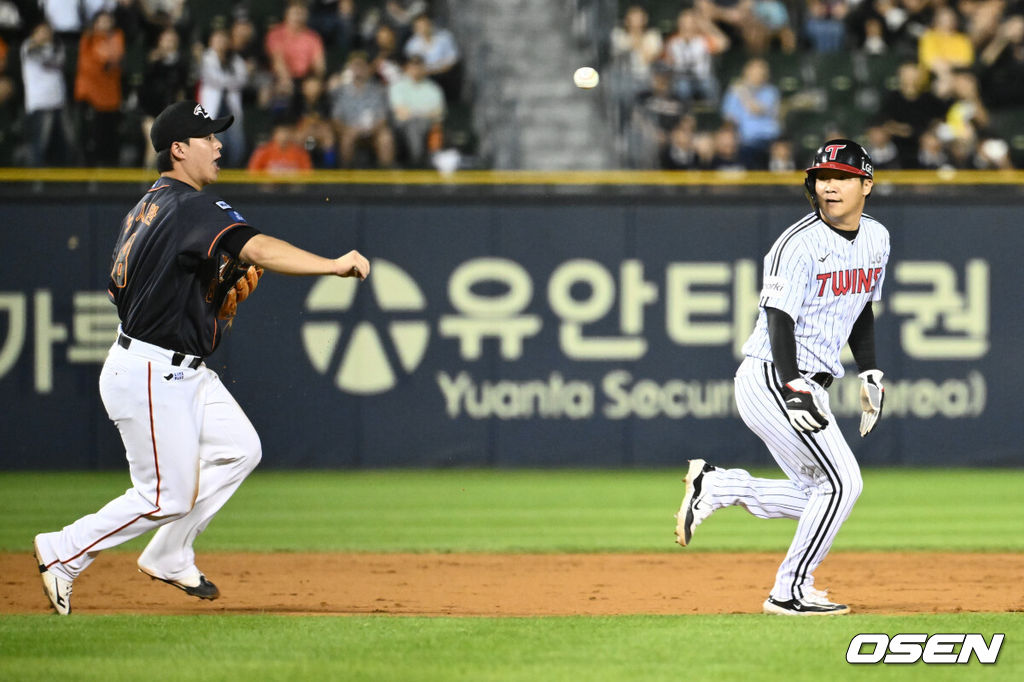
833,149
199,111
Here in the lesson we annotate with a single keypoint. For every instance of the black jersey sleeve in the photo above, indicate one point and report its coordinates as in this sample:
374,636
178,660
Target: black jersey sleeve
209,219
236,238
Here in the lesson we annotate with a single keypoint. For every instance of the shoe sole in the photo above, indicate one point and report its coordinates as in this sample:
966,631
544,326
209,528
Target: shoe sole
190,591
684,519
774,610
46,591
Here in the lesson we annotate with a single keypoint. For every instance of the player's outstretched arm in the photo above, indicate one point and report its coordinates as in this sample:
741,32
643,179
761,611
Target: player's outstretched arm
279,256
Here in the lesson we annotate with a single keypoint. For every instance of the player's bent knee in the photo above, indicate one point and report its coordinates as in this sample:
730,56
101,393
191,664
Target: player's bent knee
171,509
850,486
856,487
251,451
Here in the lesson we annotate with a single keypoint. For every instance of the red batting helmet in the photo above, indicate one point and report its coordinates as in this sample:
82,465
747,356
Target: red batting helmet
842,155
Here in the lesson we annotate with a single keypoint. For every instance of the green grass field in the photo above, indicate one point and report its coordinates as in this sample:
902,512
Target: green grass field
505,511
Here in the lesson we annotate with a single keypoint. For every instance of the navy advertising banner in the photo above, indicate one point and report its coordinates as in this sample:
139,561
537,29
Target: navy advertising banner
522,332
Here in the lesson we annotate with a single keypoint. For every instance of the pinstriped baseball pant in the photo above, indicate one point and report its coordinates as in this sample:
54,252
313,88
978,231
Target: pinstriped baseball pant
823,482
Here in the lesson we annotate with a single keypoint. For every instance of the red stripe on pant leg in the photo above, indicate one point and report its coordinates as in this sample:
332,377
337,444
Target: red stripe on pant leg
156,463
152,434
64,561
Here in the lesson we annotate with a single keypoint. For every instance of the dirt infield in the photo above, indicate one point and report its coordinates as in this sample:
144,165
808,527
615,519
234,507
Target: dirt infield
528,584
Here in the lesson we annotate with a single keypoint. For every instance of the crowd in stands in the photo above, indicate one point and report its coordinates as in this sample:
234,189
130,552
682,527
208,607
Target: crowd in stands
311,83
924,84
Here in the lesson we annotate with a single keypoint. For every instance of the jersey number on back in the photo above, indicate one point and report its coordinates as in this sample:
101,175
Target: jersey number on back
145,214
119,274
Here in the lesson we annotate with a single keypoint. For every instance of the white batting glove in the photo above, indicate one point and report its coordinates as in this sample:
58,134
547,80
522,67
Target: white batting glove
872,397
802,408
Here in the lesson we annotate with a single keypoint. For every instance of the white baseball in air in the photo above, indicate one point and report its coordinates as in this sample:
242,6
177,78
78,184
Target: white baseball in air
586,77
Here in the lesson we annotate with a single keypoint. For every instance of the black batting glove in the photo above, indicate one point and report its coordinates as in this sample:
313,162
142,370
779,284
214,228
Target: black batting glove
802,408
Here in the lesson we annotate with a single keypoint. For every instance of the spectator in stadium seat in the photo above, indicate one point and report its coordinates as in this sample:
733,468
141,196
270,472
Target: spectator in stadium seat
769,25
315,130
680,153
967,116
982,18
909,111
656,112
383,55
159,15
401,14
884,153
728,156
98,89
918,17
6,82
780,156
689,52
165,79
243,40
635,46
223,75
359,108
417,108
282,153
732,16
875,41
824,25
943,46
51,140
930,154
295,50
337,22
1002,62
440,55
752,104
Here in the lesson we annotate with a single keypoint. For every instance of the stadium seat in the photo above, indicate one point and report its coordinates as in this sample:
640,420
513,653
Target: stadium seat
788,71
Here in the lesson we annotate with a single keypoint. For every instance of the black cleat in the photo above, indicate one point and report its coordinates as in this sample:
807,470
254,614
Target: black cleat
798,607
204,590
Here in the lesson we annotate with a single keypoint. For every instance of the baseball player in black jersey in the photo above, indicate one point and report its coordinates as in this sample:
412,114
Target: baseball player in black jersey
182,261
820,279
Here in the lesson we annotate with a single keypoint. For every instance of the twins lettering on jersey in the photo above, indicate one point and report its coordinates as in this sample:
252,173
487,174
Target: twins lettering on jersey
856,281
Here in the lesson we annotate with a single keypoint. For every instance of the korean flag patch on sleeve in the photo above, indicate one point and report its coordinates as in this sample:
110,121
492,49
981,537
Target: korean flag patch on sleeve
232,213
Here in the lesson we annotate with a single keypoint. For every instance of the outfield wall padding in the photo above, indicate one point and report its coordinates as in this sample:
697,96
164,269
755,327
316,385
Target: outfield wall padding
527,330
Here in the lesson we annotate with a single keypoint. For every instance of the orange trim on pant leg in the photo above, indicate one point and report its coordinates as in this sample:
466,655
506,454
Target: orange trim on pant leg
64,561
152,433
156,463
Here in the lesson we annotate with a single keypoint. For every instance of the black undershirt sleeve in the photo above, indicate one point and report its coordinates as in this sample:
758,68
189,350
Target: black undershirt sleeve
862,340
235,239
783,342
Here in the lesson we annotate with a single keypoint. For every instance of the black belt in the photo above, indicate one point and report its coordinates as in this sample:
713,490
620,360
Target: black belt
176,359
823,379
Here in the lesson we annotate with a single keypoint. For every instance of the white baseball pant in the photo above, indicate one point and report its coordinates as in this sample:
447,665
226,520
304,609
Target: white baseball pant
189,446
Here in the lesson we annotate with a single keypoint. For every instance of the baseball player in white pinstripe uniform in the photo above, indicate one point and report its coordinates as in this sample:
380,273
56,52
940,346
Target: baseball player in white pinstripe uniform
820,278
